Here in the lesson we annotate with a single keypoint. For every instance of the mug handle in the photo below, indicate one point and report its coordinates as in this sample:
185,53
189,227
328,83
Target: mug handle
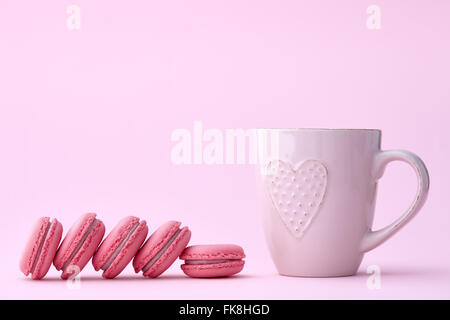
373,239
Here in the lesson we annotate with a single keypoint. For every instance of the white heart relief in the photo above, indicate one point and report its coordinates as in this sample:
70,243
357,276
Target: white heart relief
297,193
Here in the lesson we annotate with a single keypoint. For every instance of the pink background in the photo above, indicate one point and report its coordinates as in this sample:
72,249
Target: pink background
86,118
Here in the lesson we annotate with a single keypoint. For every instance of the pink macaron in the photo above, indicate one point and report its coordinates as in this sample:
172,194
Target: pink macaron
120,246
41,248
79,245
208,261
161,249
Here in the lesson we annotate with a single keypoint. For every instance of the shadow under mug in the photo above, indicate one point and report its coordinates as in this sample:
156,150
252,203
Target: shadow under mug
318,189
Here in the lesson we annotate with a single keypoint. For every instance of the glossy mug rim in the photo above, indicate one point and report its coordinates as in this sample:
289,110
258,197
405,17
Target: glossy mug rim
322,129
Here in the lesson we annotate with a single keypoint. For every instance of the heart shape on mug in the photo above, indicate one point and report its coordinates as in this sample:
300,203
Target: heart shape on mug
297,193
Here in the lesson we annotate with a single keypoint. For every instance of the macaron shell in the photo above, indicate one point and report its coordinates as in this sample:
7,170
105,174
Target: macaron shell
113,241
213,270
127,252
87,249
170,255
32,247
213,252
72,239
48,250
155,243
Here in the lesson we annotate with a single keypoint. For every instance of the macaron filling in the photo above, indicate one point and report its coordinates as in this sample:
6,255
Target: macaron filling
119,248
210,261
36,259
161,252
80,244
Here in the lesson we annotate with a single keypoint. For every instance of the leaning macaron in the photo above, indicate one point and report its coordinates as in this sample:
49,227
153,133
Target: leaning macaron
161,249
79,245
120,246
41,247
209,261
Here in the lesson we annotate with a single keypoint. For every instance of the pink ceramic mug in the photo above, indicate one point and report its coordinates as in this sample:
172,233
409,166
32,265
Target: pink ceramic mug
319,191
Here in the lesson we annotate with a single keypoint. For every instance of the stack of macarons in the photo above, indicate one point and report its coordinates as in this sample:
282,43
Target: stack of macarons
124,243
